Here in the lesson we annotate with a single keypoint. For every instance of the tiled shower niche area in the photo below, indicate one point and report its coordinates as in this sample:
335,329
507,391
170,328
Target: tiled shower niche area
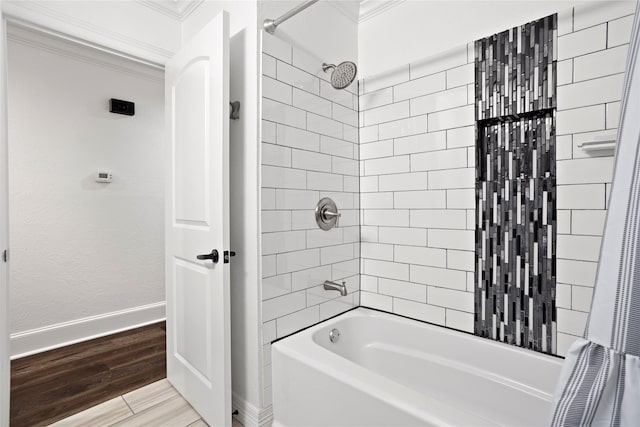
515,73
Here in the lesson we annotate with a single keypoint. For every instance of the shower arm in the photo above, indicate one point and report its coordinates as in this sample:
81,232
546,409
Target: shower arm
270,25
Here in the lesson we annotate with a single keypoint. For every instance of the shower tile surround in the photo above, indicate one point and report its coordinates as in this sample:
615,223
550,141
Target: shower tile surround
515,74
418,174
410,249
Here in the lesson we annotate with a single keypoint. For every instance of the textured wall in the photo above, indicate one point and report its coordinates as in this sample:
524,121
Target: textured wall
79,248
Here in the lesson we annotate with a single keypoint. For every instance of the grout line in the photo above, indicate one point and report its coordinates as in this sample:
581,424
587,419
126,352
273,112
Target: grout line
128,406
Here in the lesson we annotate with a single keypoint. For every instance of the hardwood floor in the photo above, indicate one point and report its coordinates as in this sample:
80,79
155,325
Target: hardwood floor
50,386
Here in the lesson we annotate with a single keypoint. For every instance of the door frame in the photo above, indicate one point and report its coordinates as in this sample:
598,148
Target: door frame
5,282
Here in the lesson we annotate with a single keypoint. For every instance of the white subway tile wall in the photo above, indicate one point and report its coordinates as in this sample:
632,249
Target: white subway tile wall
418,173
309,151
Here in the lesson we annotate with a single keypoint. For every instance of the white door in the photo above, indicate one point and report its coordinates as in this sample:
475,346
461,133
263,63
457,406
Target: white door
197,218
4,238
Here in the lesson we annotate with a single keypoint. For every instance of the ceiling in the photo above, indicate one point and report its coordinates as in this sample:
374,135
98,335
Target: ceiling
356,10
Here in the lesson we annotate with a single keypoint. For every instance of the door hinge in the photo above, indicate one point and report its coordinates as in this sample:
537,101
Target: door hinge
5,255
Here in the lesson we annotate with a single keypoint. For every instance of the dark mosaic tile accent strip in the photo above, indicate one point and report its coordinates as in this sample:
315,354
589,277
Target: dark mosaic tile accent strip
516,186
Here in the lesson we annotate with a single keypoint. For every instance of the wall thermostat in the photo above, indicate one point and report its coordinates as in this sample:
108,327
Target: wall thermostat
104,177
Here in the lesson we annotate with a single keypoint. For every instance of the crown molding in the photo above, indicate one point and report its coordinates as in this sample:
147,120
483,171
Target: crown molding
176,9
367,9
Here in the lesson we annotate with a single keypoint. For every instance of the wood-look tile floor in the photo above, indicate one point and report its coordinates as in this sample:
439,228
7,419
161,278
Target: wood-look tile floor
157,404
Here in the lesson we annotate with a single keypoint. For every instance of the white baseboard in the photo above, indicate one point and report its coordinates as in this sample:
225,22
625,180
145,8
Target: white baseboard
251,416
59,335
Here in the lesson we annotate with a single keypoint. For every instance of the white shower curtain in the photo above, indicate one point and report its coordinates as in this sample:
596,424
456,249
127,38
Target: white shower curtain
600,380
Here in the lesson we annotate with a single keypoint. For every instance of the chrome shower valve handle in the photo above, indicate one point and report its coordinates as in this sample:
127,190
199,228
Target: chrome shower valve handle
327,215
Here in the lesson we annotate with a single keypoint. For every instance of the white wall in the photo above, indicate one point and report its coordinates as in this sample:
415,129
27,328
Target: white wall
246,341
81,249
419,29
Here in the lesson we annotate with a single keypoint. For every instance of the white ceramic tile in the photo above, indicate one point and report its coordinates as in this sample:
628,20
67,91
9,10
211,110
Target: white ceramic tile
282,305
310,277
298,138
442,61
439,101
582,42
454,178
344,166
276,221
429,199
460,320
600,64
461,137
590,92
438,218
374,150
341,97
619,31
613,115
387,113
460,260
436,160
419,87
581,298
390,270
386,79
587,222
471,52
420,143
308,160
583,248
299,260
376,251
580,273
336,147
564,221
268,66
376,99
404,181
376,201
442,277
565,72
276,286
337,306
564,147
402,289
368,283
268,265
345,115
453,118
268,331
593,13
564,343
346,270
296,199
457,300
420,256
324,181
303,219
322,238
324,126
571,322
284,241
565,21
459,76
380,302
416,310
369,184
590,196
451,239
387,165
308,62
268,132
310,102
318,295
336,253
343,200
276,90
276,47
585,171
283,113
275,155
403,236
397,218
461,199
297,78
299,320
277,177
578,120
404,127
350,133
563,295
368,134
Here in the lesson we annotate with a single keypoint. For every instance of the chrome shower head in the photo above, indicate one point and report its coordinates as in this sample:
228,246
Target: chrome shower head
343,74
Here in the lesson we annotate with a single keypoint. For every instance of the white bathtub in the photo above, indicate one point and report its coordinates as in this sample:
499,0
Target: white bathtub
386,370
